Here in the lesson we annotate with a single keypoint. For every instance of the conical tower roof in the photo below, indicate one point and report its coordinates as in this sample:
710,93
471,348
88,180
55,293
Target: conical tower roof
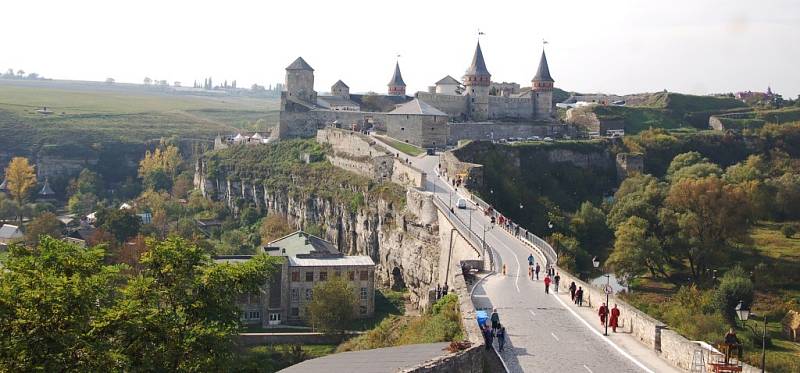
397,78
543,72
46,190
478,66
300,64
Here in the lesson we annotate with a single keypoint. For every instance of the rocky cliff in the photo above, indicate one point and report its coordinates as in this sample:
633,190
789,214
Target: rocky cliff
401,239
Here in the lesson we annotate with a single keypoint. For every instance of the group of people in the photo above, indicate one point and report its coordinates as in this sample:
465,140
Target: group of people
551,277
496,331
576,293
613,320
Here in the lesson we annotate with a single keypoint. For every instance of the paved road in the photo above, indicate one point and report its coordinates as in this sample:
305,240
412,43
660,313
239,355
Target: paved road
380,360
544,335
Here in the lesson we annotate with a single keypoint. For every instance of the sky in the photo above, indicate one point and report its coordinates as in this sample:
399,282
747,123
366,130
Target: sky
610,46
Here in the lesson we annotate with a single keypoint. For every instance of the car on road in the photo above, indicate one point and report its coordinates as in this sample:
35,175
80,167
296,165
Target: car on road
534,138
430,151
461,203
548,139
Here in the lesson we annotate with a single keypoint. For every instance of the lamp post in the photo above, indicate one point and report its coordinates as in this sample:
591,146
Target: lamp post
607,290
485,229
550,233
745,314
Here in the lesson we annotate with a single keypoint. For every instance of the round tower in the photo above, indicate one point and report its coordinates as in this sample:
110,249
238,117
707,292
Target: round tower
542,90
397,87
476,81
300,81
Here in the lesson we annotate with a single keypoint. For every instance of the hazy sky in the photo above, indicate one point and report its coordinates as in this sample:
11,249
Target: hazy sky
696,46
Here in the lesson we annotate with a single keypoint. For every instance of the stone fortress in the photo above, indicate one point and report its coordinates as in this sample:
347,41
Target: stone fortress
475,108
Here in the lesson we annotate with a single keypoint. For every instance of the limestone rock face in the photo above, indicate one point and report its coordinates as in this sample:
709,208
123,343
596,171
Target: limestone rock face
791,326
404,243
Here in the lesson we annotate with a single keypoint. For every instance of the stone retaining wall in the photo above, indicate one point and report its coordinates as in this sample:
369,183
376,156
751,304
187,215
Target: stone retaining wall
259,339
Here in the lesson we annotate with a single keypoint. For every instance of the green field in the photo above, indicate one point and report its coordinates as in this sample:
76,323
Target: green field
401,146
90,112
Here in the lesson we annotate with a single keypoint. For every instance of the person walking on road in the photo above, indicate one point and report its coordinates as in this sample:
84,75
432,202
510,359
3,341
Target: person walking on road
530,260
572,289
603,313
501,338
556,280
547,284
488,337
614,320
495,320
579,297
537,271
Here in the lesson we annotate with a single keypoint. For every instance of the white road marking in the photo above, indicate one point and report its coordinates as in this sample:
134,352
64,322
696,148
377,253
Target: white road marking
532,313
607,340
587,368
554,336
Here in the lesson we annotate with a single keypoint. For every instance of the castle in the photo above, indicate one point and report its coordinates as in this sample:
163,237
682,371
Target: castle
475,108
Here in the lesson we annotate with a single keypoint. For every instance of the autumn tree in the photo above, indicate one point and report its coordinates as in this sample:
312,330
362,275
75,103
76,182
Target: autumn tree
20,178
122,223
159,167
704,215
273,227
46,224
333,305
636,251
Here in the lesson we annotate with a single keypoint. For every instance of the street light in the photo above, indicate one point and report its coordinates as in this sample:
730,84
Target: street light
607,290
745,314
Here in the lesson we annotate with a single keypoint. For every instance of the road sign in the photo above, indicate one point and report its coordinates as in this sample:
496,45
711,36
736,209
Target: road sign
608,289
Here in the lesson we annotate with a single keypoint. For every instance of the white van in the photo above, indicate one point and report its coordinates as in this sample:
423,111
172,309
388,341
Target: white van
461,203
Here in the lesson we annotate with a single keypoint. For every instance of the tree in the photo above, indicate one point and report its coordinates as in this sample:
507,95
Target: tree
273,227
789,230
53,298
703,215
691,164
20,178
639,195
147,80
110,80
333,304
570,253
636,252
167,160
122,223
46,224
180,313
87,182
589,226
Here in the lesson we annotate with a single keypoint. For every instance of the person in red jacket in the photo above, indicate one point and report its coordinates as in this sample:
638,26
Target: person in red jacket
603,312
547,284
614,320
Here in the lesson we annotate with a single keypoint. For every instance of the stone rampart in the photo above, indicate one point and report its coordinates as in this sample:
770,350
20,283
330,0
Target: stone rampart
260,339
471,173
496,131
407,175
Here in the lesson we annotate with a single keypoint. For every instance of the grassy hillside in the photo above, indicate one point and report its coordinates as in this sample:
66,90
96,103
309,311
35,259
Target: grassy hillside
86,113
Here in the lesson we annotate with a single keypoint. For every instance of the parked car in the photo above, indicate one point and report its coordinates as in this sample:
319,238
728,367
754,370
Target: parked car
548,139
461,203
431,151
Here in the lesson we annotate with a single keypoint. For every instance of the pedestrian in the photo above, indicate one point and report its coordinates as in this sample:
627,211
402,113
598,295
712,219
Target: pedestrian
572,289
495,320
579,297
438,291
501,337
547,284
530,260
487,337
537,271
556,280
444,289
614,320
603,313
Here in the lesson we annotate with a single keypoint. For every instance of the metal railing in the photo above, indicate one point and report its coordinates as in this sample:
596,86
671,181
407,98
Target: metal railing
461,226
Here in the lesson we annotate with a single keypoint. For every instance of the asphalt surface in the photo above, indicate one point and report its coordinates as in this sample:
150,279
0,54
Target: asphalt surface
380,360
543,334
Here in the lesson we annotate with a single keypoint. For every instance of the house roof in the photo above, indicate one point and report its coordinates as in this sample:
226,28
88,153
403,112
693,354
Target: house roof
397,78
4,185
46,189
417,107
478,65
299,64
9,232
543,72
299,243
448,80
360,260
340,84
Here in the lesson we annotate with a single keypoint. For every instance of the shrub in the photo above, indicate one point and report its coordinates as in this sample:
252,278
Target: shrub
789,230
734,286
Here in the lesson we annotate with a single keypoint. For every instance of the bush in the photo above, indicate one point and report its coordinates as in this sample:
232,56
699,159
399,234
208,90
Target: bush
734,286
789,230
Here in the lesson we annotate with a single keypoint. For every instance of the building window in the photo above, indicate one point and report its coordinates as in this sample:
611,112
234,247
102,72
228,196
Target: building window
323,276
295,311
254,315
364,275
296,276
295,295
274,317
362,310
309,293
363,293
309,276
402,128
351,275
